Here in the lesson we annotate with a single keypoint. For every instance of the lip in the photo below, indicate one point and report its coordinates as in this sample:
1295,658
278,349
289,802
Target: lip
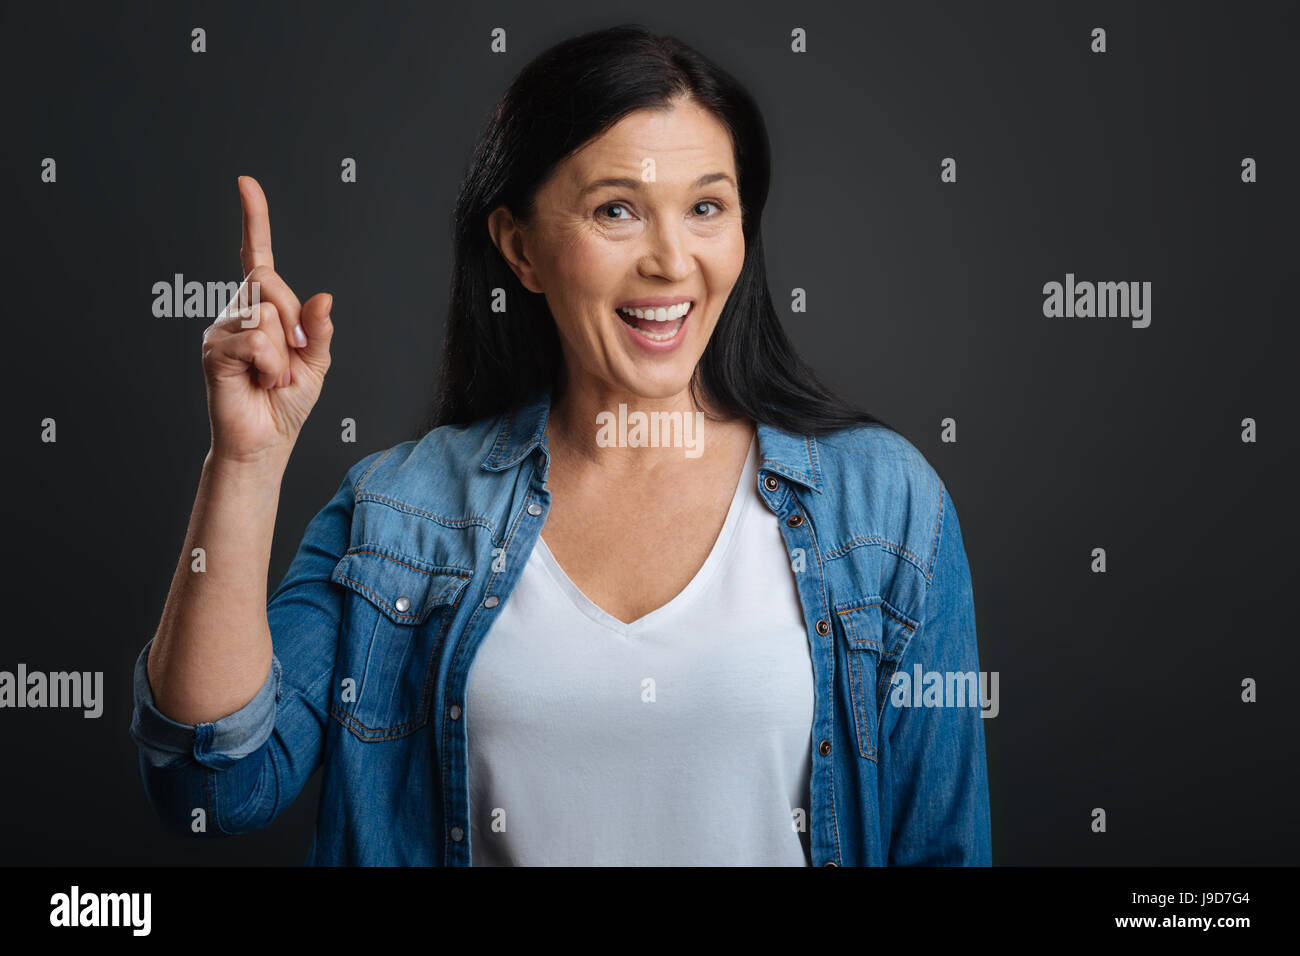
654,302
650,345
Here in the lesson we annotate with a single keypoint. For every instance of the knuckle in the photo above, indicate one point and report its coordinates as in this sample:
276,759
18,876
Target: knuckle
258,341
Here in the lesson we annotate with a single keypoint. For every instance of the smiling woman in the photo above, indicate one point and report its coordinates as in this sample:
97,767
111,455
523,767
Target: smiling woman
512,640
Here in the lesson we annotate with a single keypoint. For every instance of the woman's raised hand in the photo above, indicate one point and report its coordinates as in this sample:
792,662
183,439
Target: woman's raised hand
265,365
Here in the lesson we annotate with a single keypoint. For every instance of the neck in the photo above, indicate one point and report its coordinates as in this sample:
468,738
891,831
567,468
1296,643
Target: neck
587,425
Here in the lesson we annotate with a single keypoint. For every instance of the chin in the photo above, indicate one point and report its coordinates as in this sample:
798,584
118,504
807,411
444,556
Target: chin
658,387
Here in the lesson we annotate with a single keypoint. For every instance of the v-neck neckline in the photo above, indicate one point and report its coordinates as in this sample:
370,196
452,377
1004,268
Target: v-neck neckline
721,545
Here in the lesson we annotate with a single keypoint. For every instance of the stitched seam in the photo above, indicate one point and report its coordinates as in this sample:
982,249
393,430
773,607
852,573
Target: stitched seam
934,545
370,471
886,678
367,733
898,616
503,433
895,657
848,626
426,701
860,709
830,677
884,606
883,542
447,571
207,799
459,647
781,468
830,772
812,457
856,666
388,608
411,509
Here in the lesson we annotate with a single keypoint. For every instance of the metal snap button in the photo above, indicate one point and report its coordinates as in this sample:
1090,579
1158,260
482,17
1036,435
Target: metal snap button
454,711
770,483
457,834
795,520
402,604
825,748
830,863
492,601
823,627
534,509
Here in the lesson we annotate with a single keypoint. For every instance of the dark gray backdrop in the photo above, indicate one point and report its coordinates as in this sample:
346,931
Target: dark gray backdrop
1118,690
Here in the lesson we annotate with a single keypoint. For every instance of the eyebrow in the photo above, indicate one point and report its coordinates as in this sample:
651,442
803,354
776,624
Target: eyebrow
628,183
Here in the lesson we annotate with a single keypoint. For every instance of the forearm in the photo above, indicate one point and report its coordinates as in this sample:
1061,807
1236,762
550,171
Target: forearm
212,650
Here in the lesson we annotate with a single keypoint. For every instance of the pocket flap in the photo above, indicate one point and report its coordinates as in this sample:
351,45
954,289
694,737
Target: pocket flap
873,624
406,589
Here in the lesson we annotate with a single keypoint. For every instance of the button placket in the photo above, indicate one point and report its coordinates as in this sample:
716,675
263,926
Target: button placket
798,532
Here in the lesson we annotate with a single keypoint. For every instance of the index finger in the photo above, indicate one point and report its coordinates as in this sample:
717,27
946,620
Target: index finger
256,248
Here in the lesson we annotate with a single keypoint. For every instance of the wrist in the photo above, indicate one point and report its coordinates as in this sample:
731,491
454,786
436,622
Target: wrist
261,469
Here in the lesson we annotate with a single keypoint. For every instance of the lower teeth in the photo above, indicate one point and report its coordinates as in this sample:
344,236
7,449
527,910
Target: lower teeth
660,336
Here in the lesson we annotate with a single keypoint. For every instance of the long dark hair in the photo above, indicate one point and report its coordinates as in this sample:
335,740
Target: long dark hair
493,361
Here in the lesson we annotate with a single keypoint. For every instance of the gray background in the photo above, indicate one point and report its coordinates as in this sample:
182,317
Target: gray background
1118,690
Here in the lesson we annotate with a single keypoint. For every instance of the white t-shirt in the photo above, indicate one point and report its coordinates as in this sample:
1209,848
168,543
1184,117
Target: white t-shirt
682,738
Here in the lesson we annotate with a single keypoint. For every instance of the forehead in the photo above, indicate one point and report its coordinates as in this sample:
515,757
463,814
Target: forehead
681,141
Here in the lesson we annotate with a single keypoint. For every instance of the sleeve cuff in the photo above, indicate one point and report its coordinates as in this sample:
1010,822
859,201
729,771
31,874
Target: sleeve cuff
216,744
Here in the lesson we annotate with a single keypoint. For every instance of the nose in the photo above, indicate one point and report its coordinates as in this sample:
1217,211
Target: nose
667,251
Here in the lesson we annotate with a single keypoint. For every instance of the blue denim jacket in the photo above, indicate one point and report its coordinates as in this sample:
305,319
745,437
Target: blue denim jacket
400,576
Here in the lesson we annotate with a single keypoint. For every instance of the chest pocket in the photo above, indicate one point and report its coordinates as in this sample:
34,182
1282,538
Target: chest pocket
394,617
875,636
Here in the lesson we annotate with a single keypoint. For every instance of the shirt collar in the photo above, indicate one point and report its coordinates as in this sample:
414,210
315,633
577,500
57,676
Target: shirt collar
519,431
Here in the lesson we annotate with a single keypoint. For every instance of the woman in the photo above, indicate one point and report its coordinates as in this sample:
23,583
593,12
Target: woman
683,572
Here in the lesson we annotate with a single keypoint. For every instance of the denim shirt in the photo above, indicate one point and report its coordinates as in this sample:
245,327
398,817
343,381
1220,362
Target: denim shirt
400,576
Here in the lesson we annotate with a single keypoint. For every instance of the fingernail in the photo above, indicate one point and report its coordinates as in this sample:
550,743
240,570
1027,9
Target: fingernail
284,379
299,338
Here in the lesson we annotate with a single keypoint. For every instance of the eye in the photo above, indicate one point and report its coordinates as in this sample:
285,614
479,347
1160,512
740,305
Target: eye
612,205
709,202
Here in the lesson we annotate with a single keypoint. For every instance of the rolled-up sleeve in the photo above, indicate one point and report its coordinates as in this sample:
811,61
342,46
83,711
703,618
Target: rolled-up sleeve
239,772
164,742
938,775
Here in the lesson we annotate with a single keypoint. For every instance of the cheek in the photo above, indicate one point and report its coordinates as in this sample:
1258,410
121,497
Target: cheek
580,300
737,260
587,273
722,271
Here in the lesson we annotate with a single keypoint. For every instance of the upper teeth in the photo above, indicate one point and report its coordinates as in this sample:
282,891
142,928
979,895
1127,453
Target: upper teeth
662,314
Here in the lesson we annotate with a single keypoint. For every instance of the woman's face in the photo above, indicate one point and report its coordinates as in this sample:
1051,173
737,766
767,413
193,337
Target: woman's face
668,230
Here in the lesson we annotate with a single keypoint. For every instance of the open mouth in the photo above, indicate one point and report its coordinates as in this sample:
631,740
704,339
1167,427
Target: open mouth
657,325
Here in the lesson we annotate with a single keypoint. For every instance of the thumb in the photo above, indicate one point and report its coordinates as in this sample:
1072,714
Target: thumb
316,323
